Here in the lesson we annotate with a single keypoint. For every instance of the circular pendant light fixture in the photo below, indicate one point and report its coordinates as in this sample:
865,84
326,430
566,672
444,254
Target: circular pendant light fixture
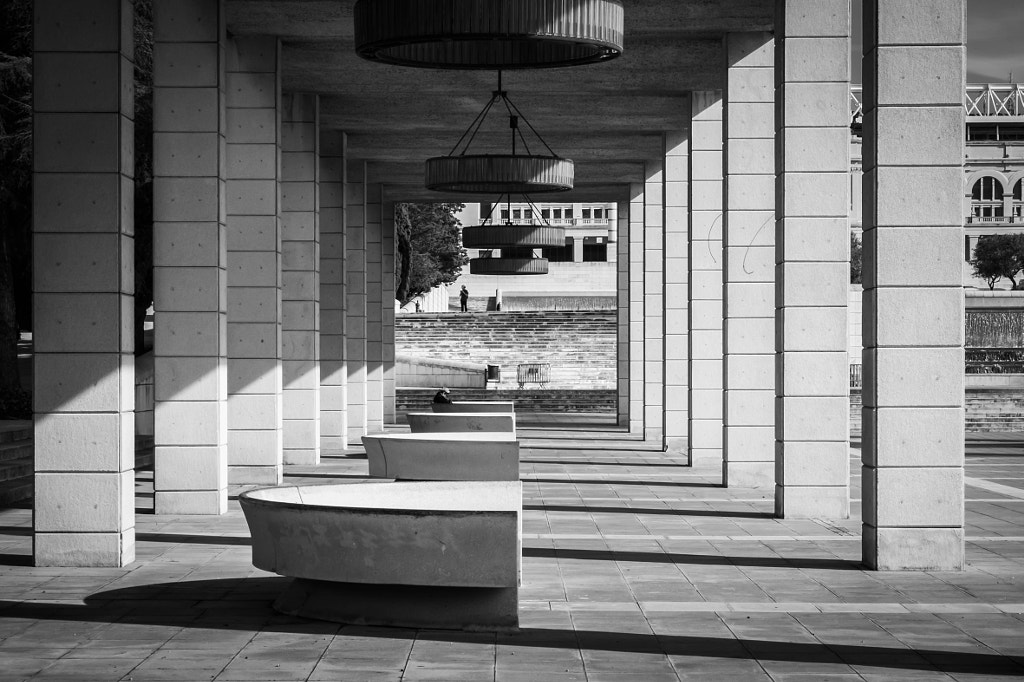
515,173
517,241
488,34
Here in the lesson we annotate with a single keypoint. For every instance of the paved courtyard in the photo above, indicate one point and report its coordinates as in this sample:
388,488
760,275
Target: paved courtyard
634,568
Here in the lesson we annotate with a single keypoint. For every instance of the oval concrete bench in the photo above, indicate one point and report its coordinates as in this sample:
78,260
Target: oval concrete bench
478,456
474,406
461,422
409,554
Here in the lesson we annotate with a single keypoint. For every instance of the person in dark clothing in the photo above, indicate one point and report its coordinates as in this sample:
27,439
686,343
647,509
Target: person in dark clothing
464,298
442,395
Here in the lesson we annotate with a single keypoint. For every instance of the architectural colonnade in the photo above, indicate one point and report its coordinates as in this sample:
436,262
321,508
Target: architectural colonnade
273,253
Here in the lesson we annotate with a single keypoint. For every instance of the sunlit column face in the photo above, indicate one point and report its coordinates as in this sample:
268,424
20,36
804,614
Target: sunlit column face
913,292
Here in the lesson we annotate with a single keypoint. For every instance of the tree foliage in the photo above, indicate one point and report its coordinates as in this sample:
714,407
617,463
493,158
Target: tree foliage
856,260
428,248
997,256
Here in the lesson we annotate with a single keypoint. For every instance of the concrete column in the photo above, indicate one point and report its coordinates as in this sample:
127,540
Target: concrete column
749,261
812,254
636,308
355,296
333,373
706,374
677,295
913,296
577,249
254,261
622,272
83,287
388,309
300,273
654,302
374,311
190,257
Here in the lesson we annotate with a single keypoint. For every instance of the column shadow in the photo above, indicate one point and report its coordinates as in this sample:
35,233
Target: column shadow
215,604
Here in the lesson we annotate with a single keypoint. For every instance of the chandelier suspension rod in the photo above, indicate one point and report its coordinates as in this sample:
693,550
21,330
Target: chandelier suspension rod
510,103
478,122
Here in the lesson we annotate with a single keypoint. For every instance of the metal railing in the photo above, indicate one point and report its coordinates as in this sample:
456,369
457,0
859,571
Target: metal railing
553,222
856,376
533,373
980,99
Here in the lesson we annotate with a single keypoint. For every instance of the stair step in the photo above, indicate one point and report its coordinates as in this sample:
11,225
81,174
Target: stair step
15,430
16,468
16,492
16,450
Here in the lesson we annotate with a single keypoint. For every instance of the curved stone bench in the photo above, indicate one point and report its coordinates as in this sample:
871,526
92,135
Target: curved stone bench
461,422
409,554
478,456
474,406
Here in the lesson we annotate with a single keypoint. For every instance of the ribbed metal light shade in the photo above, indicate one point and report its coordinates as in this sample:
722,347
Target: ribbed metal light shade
499,174
504,236
508,266
488,34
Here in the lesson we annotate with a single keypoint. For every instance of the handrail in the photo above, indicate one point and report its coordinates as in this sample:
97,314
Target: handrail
980,100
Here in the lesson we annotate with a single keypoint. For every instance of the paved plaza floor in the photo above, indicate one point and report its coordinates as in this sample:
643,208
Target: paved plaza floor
634,568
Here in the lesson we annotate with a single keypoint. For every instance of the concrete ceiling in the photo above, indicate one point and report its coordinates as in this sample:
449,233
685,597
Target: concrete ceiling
609,118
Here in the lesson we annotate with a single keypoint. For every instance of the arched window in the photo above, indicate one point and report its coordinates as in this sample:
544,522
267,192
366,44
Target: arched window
987,200
1018,201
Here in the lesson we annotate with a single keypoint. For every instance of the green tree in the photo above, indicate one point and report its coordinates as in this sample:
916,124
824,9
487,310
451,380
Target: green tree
856,260
997,256
428,248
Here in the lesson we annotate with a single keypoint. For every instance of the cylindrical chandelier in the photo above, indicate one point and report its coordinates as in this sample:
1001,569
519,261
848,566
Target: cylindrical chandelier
489,34
517,241
499,174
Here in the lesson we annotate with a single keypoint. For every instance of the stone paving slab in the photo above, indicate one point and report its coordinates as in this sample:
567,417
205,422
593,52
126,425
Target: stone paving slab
634,568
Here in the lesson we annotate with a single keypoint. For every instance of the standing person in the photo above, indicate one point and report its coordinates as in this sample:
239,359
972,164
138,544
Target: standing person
464,298
442,395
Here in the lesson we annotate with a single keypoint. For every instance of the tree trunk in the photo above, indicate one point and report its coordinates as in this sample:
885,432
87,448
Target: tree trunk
9,379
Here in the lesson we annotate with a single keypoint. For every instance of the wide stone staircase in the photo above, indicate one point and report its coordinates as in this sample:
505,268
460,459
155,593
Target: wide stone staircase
555,401
579,347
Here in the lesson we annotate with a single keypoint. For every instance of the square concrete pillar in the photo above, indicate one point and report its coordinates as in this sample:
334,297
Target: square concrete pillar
748,405
388,309
374,310
677,295
622,273
254,261
190,257
333,373
577,249
812,255
300,275
83,284
705,279
355,297
636,309
654,302
913,486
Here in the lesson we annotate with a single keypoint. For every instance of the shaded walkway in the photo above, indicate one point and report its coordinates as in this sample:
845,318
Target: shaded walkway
635,568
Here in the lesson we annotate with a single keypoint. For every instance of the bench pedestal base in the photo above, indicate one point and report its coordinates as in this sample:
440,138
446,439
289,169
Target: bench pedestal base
443,608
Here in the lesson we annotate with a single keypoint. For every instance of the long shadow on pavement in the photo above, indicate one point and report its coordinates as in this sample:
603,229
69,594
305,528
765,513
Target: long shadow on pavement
695,559
238,604
597,481
641,510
